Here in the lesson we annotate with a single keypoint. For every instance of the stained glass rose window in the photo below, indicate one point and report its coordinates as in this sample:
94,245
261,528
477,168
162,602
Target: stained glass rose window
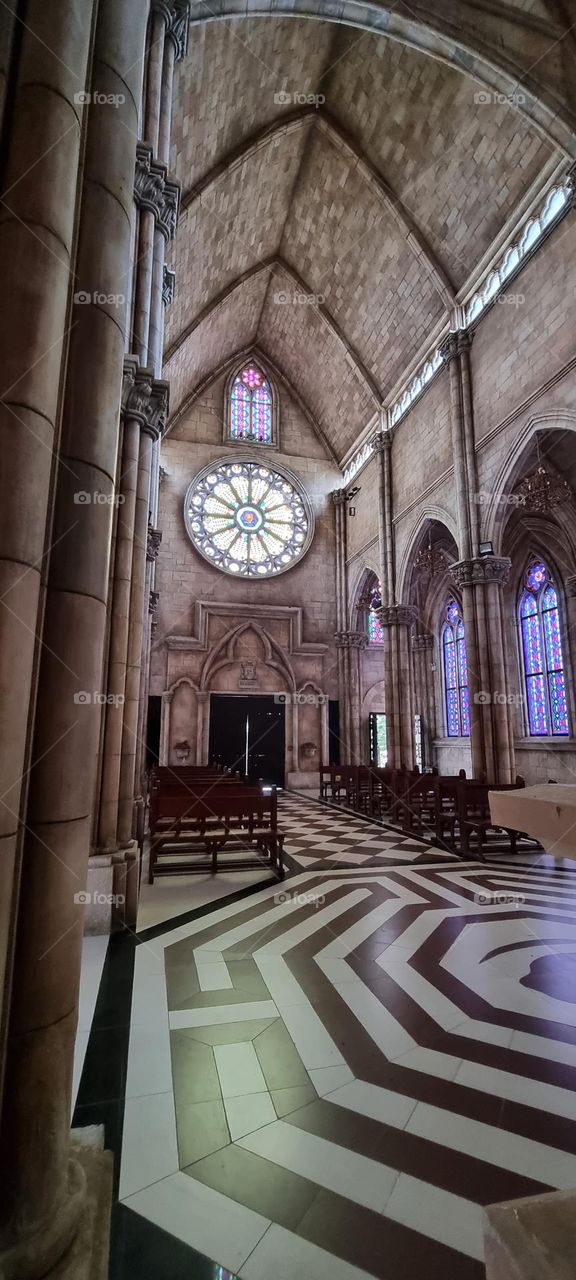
248,520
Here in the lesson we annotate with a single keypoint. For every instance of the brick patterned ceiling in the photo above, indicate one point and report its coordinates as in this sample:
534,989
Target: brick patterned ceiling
380,202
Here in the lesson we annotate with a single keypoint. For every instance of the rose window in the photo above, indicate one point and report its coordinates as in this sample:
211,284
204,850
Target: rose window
248,520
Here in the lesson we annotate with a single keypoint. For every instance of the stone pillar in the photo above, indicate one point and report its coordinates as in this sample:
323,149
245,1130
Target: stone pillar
175,46
349,644
456,354
165,711
37,220
480,583
396,621
153,409
42,1187
340,531
203,726
424,690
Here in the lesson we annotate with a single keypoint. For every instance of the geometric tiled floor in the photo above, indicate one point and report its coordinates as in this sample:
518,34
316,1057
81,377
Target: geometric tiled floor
318,834
330,1078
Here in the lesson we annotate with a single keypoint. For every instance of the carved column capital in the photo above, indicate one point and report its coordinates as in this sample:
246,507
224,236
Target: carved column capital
144,398
176,14
203,696
168,283
457,341
381,442
396,615
423,643
339,497
155,191
350,640
481,570
153,543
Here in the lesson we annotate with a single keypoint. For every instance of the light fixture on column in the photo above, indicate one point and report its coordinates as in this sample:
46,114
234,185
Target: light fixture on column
430,560
543,490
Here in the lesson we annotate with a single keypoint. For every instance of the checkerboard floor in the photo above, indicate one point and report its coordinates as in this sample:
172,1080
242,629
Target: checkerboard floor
318,835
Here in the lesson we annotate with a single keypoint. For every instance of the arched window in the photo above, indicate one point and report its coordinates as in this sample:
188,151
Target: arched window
455,672
250,407
542,654
375,631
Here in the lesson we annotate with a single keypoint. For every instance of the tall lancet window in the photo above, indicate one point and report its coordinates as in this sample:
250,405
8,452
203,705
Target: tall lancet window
375,629
250,407
455,672
539,618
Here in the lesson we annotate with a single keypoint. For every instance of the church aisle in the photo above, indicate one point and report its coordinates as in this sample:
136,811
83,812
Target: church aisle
331,1077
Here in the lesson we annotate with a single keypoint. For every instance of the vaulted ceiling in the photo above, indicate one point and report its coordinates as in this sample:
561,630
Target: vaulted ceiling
334,234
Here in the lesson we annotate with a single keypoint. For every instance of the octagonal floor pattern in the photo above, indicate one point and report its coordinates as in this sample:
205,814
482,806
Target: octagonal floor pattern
332,1077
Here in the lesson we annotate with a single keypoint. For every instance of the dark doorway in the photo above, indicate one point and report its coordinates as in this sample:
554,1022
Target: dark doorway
248,728
153,731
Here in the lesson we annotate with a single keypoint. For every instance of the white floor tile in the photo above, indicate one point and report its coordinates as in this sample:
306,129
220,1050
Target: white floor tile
315,1046
149,1147
325,1079
202,1218
213,975
215,1014
377,1103
360,1179
249,1112
239,1070
286,1256
438,1214
149,1063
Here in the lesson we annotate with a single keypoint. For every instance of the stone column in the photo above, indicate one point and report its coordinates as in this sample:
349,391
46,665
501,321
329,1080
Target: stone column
37,235
165,710
175,46
42,1187
153,407
455,353
480,582
350,644
424,690
396,621
340,533
203,726
137,407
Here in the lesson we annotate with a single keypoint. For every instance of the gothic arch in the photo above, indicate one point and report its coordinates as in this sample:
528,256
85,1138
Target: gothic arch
225,653
438,516
495,521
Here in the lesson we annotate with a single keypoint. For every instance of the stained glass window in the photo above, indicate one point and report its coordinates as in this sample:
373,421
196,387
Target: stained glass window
547,703
251,406
455,673
247,520
375,631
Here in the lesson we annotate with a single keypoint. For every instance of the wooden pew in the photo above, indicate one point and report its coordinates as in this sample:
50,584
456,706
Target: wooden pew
474,816
208,821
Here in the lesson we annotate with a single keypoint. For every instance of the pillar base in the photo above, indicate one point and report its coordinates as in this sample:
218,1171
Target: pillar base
532,1239
41,1255
99,891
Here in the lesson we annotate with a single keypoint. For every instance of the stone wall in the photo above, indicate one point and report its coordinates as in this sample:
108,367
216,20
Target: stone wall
213,629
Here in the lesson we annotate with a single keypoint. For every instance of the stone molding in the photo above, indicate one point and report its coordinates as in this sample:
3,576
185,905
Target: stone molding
155,191
168,284
482,570
153,543
145,398
176,14
458,340
422,643
570,585
203,610
350,639
381,442
396,615
153,602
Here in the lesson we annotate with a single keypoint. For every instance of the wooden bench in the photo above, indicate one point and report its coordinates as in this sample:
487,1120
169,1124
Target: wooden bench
475,819
222,816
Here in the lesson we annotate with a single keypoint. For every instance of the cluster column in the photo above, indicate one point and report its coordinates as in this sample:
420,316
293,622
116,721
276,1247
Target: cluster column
349,645
480,582
397,620
43,1186
424,699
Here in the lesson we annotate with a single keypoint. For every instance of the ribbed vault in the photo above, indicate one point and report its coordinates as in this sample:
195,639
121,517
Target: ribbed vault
340,188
